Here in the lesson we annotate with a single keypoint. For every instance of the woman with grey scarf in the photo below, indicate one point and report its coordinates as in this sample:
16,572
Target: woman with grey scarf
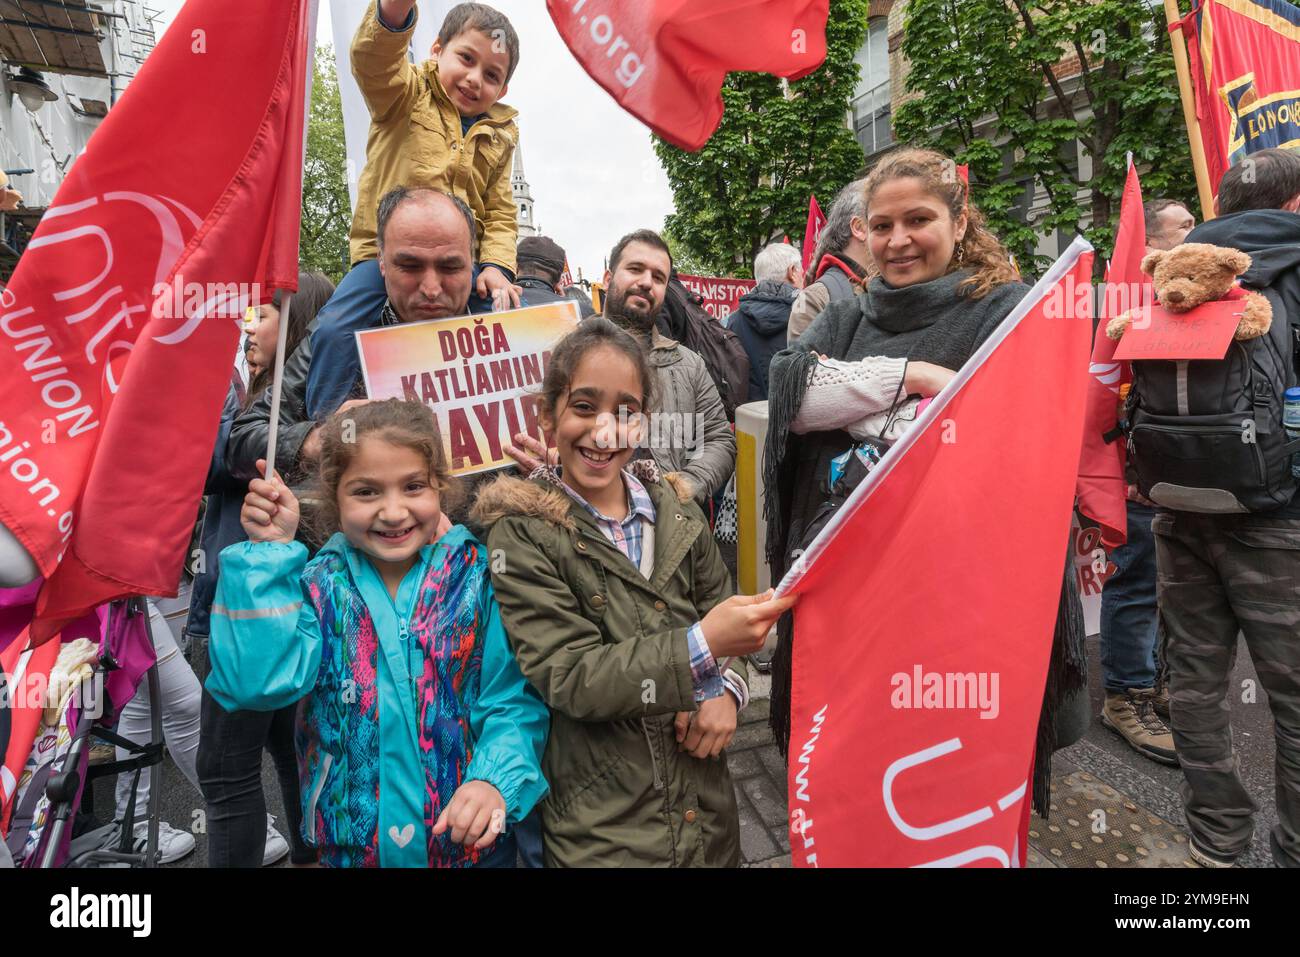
941,284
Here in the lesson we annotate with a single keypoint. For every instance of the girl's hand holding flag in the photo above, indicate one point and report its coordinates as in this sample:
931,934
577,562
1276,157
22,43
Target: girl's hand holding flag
270,512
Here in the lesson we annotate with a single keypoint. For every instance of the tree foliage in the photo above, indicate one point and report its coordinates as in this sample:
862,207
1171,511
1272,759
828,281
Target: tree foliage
1010,86
750,183
326,208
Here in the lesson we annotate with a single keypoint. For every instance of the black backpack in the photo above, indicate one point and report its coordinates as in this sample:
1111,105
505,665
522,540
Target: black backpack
1205,435
683,318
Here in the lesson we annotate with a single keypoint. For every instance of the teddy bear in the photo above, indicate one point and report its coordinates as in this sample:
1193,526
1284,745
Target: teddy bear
1196,273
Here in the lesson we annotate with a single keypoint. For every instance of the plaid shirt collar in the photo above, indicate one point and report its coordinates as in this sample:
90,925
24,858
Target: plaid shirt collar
639,503
627,534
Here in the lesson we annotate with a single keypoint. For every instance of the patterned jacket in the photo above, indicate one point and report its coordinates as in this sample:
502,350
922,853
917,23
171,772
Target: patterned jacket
405,700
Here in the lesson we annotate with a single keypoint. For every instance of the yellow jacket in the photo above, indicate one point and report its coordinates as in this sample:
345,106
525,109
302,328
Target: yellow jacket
415,140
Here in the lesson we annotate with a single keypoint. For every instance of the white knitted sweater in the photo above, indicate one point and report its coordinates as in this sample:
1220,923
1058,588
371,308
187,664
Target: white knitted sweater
856,397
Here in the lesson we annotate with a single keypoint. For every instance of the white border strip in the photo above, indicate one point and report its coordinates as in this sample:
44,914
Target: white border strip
1054,275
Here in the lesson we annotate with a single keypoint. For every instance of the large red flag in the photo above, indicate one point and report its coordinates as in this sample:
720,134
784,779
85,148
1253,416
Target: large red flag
1245,63
664,60
927,605
1102,488
816,220
183,208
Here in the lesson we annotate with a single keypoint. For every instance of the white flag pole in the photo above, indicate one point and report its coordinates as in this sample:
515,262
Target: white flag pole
286,302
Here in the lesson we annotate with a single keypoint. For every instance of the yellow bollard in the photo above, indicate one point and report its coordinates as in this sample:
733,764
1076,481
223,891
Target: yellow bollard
752,571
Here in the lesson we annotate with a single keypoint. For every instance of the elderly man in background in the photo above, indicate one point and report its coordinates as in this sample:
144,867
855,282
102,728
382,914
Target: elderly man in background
764,313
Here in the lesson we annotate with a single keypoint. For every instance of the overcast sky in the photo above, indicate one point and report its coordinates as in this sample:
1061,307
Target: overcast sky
593,173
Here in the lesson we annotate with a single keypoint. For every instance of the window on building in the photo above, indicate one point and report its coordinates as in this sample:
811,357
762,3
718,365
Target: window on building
870,106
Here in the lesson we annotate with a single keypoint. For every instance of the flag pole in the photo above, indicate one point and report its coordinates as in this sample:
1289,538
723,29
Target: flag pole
277,382
282,334
1181,67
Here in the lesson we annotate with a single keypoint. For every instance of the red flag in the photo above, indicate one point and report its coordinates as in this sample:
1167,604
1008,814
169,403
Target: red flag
816,220
184,207
926,610
963,170
27,675
664,60
1245,63
1102,489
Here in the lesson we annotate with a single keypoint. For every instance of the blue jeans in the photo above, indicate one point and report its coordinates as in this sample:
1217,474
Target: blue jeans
528,835
355,306
501,854
1128,608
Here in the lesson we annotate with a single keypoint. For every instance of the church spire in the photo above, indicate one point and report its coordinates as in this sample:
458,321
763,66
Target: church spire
523,196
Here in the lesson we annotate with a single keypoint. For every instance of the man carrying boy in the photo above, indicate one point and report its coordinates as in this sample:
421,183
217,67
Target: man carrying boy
441,125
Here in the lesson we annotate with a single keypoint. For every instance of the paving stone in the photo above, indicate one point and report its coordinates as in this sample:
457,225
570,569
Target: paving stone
755,845
782,838
774,763
744,764
767,800
781,861
750,736
758,710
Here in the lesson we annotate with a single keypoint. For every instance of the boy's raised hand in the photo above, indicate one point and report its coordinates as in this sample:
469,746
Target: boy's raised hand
476,814
739,625
493,284
270,512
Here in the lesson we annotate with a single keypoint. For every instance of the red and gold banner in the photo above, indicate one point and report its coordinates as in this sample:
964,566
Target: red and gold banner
1245,63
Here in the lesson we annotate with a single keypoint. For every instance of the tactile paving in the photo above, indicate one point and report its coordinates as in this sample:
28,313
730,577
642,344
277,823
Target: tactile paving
1093,825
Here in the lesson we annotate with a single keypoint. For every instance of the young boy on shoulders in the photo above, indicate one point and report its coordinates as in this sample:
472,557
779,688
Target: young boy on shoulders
437,124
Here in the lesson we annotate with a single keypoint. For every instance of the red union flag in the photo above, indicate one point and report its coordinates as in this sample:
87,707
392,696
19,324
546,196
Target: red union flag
816,220
183,208
1245,62
1102,488
919,657
664,60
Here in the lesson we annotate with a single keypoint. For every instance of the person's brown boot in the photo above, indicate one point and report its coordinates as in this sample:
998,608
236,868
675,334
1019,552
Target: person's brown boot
1131,714
1160,701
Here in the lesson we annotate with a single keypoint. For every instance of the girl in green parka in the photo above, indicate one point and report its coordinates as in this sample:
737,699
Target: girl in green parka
622,615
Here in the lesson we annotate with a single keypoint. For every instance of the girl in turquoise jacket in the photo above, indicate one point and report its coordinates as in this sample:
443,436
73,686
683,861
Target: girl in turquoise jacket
419,741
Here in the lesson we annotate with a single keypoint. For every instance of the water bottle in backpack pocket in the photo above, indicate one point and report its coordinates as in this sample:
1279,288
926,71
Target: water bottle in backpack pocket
1291,422
1207,435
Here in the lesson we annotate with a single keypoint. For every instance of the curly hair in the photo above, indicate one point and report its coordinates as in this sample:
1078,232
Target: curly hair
979,250
407,424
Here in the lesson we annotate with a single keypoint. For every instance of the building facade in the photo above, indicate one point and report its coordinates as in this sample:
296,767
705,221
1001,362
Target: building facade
882,88
63,64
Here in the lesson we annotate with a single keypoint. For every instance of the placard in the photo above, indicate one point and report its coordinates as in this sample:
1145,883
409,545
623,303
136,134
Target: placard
478,374
1203,333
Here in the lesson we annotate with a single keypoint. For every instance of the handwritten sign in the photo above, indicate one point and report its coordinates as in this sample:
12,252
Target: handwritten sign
1203,333
478,374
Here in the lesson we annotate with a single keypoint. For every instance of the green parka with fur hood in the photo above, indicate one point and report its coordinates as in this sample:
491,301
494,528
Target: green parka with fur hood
606,648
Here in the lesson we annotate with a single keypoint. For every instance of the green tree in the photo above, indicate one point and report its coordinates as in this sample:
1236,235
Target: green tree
1010,86
684,261
326,208
750,183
